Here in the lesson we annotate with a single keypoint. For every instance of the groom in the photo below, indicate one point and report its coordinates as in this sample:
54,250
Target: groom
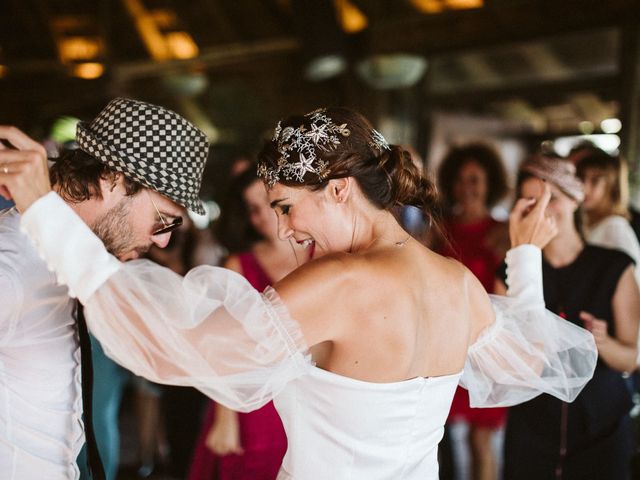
137,167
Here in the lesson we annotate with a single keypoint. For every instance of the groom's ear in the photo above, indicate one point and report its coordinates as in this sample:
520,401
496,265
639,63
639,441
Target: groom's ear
112,186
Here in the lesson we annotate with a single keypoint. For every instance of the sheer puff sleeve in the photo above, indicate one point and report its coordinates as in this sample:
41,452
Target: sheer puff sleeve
210,329
528,350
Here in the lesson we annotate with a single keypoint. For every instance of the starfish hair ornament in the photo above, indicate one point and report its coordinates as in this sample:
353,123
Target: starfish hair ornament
378,142
304,142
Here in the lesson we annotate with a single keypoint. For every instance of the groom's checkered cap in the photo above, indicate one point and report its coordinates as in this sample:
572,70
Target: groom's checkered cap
150,145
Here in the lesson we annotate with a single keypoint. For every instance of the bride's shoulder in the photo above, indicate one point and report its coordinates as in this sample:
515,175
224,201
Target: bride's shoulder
446,266
453,275
320,294
321,275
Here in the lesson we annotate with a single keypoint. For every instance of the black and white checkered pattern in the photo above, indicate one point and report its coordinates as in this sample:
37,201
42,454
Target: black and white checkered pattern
150,145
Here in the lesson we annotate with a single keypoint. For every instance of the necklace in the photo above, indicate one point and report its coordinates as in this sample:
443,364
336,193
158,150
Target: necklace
402,243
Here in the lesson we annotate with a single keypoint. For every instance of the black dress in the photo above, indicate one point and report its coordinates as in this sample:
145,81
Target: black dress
592,437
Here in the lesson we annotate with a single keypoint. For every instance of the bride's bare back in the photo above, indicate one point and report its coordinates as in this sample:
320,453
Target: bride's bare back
388,313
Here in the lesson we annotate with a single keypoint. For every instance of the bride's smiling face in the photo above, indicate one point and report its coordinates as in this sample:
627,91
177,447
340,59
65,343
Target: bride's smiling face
307,216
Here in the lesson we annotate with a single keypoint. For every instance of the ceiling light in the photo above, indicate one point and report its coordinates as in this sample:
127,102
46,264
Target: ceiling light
181,45
437,6
78,48
586,127
611,125
463,4
186,84
324,67
428,6
351,18
392,71
88,71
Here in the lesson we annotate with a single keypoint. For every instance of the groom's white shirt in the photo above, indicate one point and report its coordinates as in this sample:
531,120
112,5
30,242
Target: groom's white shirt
41,431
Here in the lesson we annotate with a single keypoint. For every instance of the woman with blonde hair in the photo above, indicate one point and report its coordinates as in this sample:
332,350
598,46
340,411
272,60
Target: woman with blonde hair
605,209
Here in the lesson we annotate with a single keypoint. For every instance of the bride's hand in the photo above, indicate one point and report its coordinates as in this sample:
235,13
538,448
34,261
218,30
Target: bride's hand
529,223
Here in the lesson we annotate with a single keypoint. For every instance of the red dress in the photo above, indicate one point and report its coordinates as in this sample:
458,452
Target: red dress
261,432
468,245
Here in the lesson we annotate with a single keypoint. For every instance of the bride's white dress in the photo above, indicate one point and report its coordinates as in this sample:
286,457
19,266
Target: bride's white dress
212,330
340,428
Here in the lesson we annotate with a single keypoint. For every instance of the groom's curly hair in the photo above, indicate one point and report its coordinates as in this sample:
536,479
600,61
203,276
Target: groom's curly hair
77,175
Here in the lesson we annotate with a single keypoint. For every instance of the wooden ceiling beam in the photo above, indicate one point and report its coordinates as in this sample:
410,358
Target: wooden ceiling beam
209,58
497,23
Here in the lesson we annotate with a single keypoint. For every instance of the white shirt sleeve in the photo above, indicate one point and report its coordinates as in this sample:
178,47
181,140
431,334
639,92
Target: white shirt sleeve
211,329
528,350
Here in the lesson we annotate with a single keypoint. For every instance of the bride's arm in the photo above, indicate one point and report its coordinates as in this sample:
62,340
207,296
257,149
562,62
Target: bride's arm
529,231
210,329
522,349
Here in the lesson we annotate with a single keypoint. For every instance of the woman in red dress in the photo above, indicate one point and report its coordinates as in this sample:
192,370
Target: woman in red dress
472,180
248,446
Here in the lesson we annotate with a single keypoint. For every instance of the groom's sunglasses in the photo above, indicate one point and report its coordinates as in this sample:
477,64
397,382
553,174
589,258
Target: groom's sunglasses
177,222
166,227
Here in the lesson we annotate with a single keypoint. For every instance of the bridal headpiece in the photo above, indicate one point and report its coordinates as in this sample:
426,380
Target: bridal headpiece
299,148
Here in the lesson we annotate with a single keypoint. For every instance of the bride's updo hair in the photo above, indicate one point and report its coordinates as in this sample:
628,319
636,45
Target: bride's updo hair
309,150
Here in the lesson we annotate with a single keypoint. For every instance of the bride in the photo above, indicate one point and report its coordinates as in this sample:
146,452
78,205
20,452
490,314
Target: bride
361,349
